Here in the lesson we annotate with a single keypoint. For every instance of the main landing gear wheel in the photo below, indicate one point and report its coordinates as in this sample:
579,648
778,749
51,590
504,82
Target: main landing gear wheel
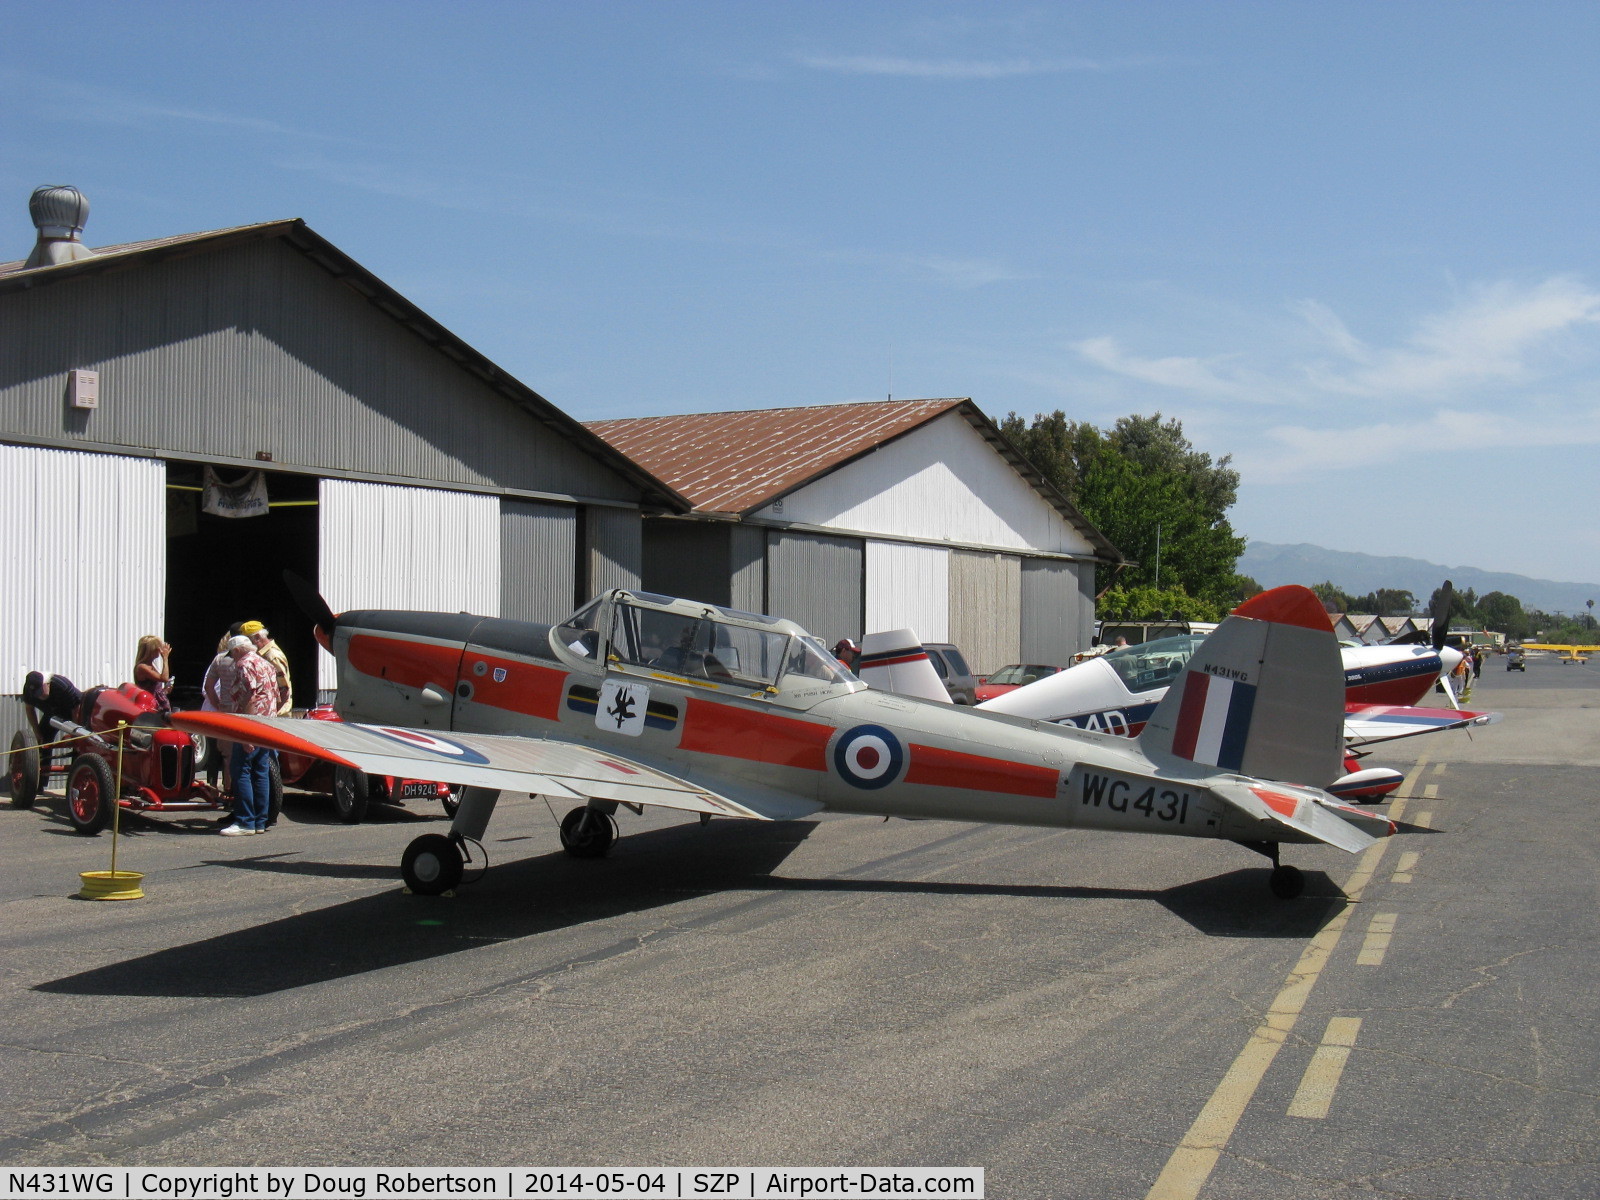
1286,882
23,769
587,833
350,794
432,864
91,794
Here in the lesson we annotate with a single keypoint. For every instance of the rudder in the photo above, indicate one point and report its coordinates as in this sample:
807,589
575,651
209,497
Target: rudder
1262,696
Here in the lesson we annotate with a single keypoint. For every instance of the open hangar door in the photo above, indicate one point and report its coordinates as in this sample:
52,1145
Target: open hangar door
221,570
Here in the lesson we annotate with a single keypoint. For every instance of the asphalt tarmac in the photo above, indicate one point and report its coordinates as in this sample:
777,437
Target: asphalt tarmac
1082,1015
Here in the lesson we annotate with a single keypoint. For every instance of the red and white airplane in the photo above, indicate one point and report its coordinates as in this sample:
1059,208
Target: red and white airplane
640,699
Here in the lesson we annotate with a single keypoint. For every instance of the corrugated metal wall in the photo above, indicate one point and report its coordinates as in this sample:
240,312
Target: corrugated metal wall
687,559
818,582
1057,617
985,608
747,557
401,547
613,539
83,539
255,348
908,586
538,560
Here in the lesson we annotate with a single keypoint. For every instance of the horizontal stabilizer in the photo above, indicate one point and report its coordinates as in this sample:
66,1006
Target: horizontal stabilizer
1314,815
1368,723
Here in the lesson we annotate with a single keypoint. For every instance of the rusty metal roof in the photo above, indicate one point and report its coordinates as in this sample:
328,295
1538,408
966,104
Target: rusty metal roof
730,464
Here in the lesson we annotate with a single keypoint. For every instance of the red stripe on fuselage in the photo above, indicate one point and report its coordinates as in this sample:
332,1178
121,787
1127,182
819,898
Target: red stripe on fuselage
1391,691
410,664
734,732
952,768
526,688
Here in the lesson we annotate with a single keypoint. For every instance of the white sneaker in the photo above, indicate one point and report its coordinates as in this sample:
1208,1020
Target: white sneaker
234,831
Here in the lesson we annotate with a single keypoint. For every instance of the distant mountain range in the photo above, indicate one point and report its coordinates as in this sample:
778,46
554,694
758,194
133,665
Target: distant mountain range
1271,565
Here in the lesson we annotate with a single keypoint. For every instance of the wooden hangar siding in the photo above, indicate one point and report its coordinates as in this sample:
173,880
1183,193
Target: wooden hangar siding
436,476
851,518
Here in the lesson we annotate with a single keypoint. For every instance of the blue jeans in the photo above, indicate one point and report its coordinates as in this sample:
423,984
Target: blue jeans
252,784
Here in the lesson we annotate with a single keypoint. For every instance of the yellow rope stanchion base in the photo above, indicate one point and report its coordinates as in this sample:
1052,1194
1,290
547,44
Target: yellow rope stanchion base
111,885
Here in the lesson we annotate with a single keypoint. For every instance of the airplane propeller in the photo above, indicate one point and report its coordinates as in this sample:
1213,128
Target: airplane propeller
310,602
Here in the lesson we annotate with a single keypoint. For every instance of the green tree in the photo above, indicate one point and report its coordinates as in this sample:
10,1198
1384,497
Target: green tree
1334,598
1504,613
1385,602
1143,484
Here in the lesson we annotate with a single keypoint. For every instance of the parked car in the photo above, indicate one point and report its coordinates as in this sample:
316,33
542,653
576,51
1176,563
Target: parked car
953,670
1010,678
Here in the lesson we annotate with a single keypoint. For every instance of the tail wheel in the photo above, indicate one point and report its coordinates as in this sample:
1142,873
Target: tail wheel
432,864
22,766
587,833
91,794
350,794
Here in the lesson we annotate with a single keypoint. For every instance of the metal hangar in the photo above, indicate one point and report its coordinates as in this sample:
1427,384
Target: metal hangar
400,467
850,518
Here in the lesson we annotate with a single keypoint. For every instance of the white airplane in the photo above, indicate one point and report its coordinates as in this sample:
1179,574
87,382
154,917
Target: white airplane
640,699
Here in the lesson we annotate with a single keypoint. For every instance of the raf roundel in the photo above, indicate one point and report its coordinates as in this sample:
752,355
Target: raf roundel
868,756
418,740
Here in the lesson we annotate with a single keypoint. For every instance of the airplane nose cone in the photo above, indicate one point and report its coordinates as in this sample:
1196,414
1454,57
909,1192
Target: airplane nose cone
1450,657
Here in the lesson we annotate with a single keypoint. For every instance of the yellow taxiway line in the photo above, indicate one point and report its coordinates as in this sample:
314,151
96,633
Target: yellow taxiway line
1196,1157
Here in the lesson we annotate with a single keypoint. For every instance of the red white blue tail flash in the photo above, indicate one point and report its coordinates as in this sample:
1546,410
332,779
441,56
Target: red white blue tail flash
1214,720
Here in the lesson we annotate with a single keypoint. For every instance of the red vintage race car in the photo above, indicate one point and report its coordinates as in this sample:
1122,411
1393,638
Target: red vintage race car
157,765
354,790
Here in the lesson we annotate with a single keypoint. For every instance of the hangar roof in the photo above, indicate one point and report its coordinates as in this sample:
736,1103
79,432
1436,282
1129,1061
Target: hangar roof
17,277
731,464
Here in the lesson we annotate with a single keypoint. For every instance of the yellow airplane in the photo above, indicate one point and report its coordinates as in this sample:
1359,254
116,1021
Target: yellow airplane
1567,654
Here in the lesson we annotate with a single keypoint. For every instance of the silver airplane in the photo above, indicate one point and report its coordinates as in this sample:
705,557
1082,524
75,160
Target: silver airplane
640,699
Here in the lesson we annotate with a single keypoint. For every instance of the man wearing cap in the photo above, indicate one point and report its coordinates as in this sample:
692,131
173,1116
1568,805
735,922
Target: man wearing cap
273,653
246,683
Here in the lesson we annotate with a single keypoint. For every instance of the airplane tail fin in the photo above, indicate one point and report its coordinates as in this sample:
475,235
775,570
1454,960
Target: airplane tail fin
1262,696
894,661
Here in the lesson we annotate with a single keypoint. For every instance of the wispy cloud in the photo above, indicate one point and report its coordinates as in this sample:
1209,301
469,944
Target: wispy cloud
1504,366
1491,337
71,101
955,68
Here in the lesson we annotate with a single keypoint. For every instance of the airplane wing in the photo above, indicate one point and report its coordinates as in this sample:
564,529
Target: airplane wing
539,766
1368,723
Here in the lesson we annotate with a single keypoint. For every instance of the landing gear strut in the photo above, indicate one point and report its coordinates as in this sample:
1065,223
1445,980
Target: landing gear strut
588,832
1285,881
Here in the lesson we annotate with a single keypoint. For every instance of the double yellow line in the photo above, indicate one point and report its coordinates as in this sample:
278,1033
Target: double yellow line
1196,1157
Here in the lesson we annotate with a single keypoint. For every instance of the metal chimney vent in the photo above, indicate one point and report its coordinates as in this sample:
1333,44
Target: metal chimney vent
59,213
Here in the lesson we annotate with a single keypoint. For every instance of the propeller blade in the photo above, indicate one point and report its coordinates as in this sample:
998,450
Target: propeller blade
310,602
1443,600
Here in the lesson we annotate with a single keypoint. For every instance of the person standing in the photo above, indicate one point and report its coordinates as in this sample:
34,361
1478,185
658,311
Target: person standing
152,669
273,653
247,684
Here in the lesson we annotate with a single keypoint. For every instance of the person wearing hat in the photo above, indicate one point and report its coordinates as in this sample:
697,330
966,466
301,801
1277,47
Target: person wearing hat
273,653
246,683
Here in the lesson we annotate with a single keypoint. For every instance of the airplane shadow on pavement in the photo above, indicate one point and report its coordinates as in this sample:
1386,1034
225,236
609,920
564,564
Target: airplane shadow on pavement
524,898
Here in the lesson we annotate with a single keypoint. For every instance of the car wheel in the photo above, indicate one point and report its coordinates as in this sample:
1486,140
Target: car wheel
23,769
91,794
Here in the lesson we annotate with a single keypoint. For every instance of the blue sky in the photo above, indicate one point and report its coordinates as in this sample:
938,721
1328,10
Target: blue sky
1352,245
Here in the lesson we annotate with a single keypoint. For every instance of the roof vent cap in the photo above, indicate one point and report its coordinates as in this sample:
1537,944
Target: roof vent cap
59,212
